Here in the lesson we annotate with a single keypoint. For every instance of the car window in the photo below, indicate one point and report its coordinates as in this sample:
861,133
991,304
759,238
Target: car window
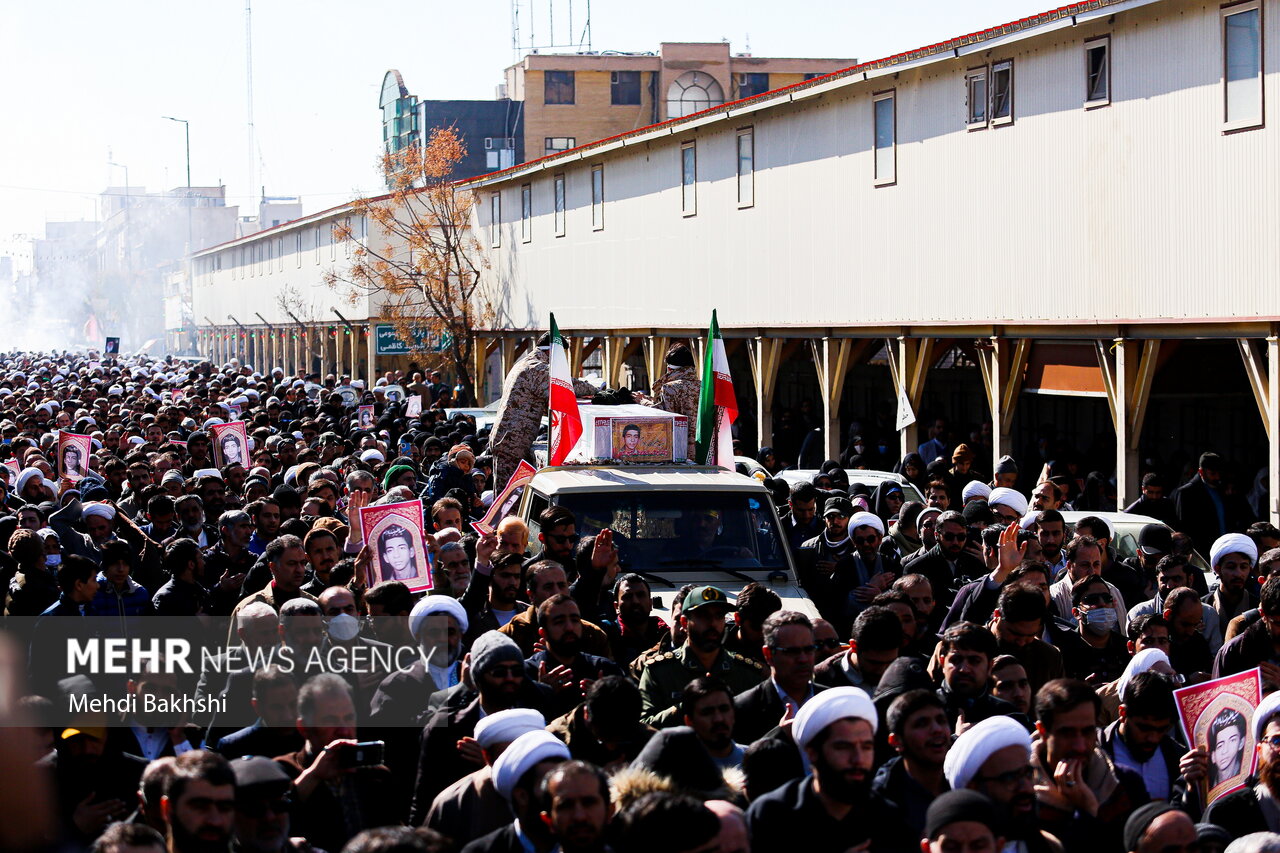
668,531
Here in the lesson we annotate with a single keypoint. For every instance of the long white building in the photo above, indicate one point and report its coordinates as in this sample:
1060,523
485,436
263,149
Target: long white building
1067,223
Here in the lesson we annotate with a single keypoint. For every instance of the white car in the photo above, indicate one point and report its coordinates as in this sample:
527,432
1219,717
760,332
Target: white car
1125,528
867,477
676,525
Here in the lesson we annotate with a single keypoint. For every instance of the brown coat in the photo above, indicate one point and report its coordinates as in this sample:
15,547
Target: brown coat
525,633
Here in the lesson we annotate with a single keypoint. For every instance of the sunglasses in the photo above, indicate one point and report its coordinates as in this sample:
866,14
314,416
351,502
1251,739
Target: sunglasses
866,540
1095,598
830,644
952,537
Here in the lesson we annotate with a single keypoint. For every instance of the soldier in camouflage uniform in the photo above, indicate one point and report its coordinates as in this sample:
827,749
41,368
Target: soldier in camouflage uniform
678,389
523,406
665,676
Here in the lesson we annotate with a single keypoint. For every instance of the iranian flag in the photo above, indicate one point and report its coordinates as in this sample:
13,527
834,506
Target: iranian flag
717,406
566,421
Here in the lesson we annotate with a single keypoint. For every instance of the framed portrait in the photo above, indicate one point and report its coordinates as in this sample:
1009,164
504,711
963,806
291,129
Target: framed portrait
111,347
234,408
178,394
1216,717
393,393
364,416
413,406
505,500
13,465
639,439
350,396
230,444
73,456
395,534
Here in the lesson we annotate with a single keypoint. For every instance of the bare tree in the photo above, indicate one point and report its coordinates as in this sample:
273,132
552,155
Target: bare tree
419,259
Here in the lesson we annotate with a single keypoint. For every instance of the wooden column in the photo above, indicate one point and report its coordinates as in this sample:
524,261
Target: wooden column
1128,370
909,363
371,369
833,357
1004,364
1262,366
655,353
766,355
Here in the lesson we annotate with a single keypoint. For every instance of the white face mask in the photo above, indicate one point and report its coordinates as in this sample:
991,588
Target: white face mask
344,627
53,559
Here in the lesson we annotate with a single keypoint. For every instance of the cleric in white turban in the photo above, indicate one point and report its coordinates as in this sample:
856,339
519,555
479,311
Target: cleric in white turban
866,519
976,746
523,755
974,489
1015,501
439,641
505,727
826,707
1233,543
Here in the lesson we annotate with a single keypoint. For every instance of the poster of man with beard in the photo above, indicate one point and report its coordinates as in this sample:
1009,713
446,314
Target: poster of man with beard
1215,717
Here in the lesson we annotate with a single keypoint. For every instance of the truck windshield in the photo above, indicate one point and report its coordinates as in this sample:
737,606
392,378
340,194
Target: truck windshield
666,532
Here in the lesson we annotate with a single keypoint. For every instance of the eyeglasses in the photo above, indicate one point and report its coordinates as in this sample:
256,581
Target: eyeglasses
1096,598
795,651
830,644
1009,778
866,540
952,537
258,808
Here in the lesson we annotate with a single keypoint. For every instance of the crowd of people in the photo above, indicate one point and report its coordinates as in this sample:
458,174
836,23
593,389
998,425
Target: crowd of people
967,673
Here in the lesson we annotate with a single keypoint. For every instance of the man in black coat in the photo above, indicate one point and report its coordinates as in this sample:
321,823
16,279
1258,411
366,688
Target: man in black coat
497,669
967,651
517,776
563,664
946,564
1259,644
1203,511
789,651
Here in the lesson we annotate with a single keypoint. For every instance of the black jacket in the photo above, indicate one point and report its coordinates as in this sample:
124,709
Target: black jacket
894,784
758,711
1197,515
793,813
1238,812
945,582
1182,795
259,739
502,840
1246,650
976,709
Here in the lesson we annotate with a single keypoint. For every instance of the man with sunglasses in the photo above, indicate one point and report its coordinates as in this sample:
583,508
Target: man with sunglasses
947,561
263,804
790,652
1096,652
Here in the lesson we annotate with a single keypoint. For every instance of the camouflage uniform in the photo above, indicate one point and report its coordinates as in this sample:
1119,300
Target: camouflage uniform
677,392
523,406
665,676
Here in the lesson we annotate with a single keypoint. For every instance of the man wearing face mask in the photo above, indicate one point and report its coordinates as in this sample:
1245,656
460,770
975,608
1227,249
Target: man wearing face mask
821,558
1096,653
363,662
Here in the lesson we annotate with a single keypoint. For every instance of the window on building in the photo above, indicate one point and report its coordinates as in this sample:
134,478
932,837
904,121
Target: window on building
814,74
280,253
689,179
1002,92
691,92
624,88
886,138
315,237
557,87
526,213
746,167
558,204
1242,65
297,249
597,198
499,152
556,144
1097,71
755,83
975,83
495,220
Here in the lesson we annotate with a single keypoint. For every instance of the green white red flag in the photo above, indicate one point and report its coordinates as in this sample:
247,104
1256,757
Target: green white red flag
717,405
566,420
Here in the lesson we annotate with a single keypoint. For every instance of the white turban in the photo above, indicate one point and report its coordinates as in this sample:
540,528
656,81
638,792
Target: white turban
506,726
975,489
866,519
1233,543
1028,521
25,477
207,472
825,708
523,754
1141,662
105,510
436,604
1263,713
972,749
1016,501
372,455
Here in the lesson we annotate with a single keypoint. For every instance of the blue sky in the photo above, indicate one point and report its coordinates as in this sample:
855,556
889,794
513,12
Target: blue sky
84,78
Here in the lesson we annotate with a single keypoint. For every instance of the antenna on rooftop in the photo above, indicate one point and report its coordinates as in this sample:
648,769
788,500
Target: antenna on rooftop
524,34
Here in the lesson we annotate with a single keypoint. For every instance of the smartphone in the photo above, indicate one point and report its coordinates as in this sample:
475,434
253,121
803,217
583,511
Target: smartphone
367,753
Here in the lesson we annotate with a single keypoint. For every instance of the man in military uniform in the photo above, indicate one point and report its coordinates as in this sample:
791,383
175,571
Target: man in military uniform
520,412
678,389
664,678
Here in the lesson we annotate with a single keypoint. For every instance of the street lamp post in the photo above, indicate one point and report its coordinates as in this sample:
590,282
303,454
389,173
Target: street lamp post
186,127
